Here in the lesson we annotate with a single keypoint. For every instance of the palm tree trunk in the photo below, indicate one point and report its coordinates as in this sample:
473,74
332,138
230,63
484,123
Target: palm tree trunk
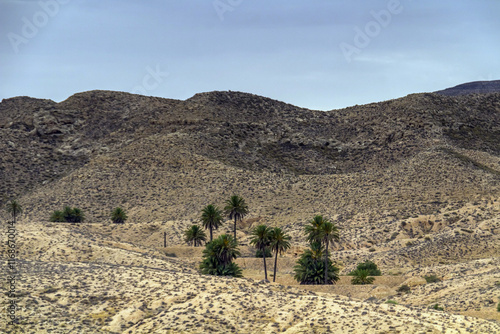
275,264
326,262
234,228
210,233
264,257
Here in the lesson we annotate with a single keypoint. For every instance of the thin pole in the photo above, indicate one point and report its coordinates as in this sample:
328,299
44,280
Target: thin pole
164,239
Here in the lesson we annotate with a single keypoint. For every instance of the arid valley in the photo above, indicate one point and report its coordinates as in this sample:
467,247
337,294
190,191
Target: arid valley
413,185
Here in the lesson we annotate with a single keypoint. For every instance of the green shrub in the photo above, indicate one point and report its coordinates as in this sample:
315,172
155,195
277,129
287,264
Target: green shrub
390,301
404,289
498,307
432,279
437,307
367,265
258,253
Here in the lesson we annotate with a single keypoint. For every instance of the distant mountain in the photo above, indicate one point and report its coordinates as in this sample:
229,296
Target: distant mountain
166,158
476,87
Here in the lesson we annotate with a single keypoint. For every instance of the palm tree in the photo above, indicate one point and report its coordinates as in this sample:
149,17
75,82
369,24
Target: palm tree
14,209
236,208
361,276
328,232
211,217
218,257
195,235
279,243
261,240
118,216
310,267
313,231
78,215
57,217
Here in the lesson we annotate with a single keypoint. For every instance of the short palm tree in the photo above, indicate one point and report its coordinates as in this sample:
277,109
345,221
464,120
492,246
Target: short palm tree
195,235
57,217
261,240
118,216
279,242
236,208
211,217
310,267
218,257
362,277
78,215
14,209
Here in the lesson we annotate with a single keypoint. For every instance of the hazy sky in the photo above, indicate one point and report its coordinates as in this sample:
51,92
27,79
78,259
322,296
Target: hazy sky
319,54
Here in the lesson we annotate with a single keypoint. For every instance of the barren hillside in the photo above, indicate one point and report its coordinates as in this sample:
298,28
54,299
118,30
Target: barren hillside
413,183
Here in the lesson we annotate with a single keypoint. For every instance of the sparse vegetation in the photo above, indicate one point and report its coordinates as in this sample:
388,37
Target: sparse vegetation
218,257
498,307
404,289
437,307
195,236
432,279
390,301
118,216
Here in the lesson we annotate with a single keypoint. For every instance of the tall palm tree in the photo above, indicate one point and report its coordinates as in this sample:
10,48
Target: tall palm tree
14,209
279,243
328,232
195,235
313,230
261,239
236,208
211,217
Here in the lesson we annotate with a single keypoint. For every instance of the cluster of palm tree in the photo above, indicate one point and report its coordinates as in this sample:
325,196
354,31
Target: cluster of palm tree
314,265
265,238
69,215
212,219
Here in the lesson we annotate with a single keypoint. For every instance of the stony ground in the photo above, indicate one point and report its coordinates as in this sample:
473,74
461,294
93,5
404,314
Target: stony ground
90,278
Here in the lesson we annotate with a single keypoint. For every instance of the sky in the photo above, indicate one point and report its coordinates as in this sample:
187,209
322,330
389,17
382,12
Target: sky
317,54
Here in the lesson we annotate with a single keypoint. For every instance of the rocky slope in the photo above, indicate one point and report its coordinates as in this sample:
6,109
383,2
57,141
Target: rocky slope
476,87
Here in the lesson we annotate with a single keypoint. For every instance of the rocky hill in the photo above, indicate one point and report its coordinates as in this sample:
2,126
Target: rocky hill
476,87
413,183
